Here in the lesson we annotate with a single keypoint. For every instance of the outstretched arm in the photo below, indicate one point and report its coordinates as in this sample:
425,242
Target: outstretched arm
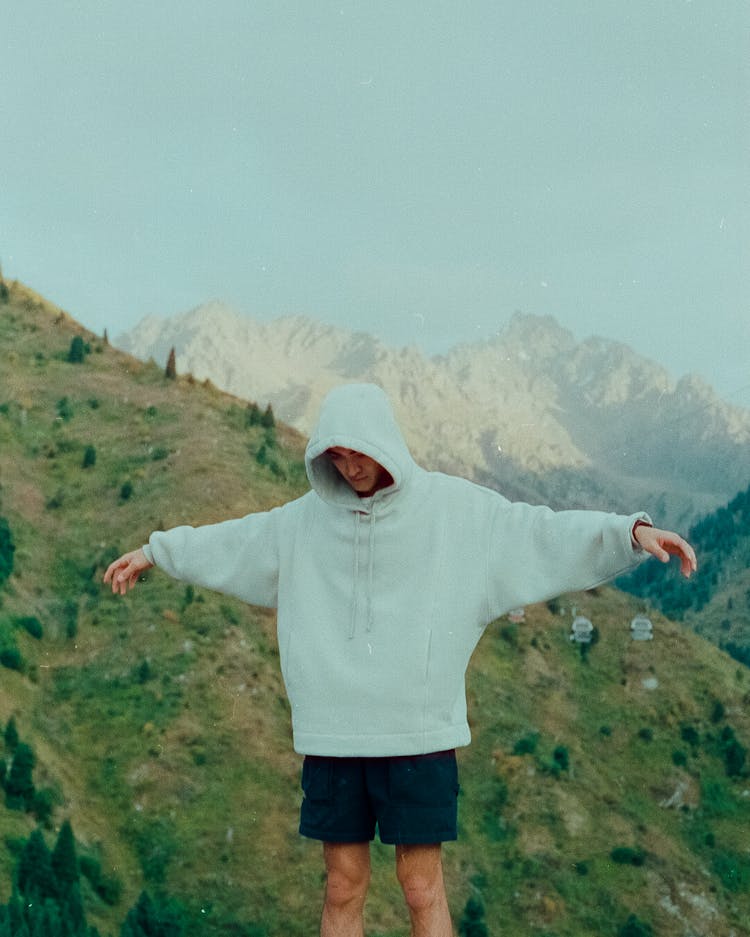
123,573
665,543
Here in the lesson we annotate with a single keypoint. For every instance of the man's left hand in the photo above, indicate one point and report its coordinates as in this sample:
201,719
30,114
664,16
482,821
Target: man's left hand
665,543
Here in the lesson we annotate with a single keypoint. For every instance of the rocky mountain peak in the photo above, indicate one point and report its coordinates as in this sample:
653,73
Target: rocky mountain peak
532,411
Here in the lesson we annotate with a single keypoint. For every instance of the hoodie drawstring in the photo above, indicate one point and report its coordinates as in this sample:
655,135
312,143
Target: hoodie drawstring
370,572
355,590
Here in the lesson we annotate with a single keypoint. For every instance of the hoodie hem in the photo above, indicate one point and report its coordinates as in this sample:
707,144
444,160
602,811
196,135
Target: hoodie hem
381,746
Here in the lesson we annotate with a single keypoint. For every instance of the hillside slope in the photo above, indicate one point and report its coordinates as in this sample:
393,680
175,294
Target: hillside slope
161,728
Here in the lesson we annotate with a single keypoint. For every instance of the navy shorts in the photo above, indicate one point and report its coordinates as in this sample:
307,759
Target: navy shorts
412,799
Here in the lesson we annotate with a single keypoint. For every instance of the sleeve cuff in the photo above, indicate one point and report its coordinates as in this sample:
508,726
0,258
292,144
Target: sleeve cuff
644,521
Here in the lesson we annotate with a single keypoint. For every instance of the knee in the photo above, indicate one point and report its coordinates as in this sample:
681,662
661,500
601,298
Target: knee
346,887
420,891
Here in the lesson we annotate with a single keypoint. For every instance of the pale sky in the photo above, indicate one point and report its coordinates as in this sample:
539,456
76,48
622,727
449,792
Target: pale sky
416,170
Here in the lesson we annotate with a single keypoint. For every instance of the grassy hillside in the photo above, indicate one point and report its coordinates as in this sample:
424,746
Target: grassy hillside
597,790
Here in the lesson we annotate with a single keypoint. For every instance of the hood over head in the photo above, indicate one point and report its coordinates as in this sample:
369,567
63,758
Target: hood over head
358,417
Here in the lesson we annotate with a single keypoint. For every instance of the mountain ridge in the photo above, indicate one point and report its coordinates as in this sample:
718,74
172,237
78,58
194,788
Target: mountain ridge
531,411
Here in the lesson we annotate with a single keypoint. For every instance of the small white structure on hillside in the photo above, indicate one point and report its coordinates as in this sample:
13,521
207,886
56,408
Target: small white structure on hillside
581,630
641,628
517,615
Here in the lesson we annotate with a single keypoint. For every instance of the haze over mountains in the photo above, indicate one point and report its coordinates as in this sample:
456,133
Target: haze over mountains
531,412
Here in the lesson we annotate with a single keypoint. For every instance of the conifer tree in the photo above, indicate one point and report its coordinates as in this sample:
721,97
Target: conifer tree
147,919
268,420
11,735
36,880
14,909
252,415
19,786
77,352
472,923
171,369
65,860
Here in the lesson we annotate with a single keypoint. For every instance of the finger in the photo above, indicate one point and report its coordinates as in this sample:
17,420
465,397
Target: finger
119,582
660,553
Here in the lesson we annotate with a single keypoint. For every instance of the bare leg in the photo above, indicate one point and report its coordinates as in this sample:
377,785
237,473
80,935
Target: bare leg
420,873
347,880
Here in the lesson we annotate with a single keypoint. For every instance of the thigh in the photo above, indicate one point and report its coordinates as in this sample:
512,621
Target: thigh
335,807
417,803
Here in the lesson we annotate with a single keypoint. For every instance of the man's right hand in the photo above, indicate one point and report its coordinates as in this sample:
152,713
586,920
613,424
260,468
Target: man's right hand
124,572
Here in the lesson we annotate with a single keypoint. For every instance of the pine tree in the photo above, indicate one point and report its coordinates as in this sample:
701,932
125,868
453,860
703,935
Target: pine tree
11,735
36,880
64,859
252,415
15,913
19,786
268,421
171,369
472,922
77,352
147,919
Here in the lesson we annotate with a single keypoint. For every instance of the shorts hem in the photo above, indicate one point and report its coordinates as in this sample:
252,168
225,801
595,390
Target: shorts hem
418,840
329,837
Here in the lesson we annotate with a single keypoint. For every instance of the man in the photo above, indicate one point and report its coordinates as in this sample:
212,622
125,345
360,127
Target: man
384,577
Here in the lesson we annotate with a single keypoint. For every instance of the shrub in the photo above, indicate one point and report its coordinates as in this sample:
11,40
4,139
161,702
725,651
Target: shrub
626,855
634,927
126,491
64,409
734,758
561,757
43,805
7,549
732,870
10,657
107,887
690,735
89,457
527,744
717,799
77,351
31,624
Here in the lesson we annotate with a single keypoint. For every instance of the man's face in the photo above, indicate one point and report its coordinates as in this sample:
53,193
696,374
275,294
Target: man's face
365,475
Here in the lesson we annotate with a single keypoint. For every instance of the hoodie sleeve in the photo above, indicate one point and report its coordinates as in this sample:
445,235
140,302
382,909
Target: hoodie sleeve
237,557
536,553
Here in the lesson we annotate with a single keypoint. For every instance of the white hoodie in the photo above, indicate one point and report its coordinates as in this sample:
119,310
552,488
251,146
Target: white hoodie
382,600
